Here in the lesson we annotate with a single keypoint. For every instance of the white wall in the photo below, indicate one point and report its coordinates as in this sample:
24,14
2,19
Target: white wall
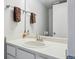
60,20
11,28
15,30
71,27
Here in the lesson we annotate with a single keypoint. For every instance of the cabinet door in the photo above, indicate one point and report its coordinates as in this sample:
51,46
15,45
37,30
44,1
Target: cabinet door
11,50
10,57
24,55
39,57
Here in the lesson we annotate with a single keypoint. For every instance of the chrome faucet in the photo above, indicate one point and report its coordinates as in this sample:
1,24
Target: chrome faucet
38,38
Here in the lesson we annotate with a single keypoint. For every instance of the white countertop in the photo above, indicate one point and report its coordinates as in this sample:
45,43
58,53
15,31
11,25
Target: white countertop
53,49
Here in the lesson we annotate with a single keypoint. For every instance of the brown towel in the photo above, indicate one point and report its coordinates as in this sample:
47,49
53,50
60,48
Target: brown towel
17,14
32,18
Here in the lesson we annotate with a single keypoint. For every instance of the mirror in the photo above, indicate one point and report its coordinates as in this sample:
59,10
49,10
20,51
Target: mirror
51,18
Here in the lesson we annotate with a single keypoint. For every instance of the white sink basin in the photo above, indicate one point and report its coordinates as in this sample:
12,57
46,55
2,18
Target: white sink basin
34,43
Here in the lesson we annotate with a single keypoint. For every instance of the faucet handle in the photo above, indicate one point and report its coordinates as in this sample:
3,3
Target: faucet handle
39,39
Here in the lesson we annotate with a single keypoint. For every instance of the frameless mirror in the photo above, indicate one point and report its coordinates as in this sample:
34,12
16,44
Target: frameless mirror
51,18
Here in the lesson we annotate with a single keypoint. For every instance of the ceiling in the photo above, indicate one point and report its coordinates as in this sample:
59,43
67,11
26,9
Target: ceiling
48,3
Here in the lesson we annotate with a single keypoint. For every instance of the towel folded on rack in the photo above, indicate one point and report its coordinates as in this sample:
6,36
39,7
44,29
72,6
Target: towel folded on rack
32,18
17,14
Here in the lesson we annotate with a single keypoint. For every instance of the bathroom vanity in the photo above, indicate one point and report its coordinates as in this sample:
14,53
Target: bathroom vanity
26,49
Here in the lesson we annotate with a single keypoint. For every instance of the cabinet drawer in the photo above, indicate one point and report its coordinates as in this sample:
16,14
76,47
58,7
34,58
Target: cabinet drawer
11,50
10,57
24,55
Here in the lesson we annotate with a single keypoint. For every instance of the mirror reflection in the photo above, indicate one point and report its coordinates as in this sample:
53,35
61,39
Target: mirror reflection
50,19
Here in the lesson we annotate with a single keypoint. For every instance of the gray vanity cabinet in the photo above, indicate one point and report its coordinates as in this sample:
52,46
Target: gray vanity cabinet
24,55
17,53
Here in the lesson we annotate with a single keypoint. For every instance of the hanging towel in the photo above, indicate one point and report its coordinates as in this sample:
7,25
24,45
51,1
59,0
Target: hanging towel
17,14
32,18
